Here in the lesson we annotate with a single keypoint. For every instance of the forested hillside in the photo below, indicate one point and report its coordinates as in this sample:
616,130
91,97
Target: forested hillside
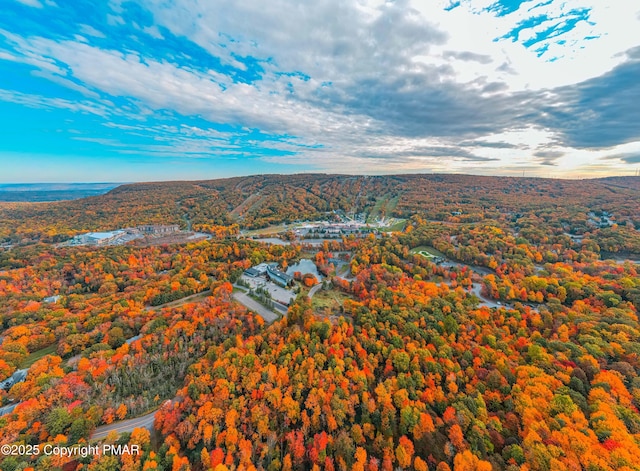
495,328
260,201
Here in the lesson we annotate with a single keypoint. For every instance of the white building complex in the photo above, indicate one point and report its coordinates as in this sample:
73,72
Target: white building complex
100,238
159,228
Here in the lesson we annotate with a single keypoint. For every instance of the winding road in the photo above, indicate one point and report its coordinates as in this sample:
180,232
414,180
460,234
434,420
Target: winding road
476,287
476,290
147,421
314,290
123,426
9,408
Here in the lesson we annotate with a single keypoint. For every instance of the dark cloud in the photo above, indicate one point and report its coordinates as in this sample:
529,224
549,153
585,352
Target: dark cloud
495,87
493,145
600,112
468,56
549,154
634,53
430,151
428,105
548,157
630,158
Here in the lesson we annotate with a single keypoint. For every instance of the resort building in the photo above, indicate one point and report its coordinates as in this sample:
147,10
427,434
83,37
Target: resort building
279,277
101,238
159,229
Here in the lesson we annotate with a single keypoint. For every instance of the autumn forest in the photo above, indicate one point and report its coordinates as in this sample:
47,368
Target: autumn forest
430,322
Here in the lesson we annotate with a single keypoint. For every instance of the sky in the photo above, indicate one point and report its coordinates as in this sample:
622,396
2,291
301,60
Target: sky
111,91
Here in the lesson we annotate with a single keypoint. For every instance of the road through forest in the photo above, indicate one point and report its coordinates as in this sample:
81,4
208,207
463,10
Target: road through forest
146,421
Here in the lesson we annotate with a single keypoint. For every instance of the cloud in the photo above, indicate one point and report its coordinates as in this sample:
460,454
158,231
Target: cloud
322,39
427,152
37,101
194,142
343,82
31,3
629,158
91,31
549,154
153,31
548,157
468,56
600,112
489,144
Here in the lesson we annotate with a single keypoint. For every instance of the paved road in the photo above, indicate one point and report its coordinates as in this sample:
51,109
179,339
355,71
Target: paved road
8,409
280,307
17,377
314,290
255,306
181,301
146,421
476,290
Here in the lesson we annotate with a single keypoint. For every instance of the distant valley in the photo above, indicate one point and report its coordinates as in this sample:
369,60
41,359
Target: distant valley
46,192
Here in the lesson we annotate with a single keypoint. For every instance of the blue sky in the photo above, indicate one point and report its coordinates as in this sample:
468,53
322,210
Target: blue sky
198,89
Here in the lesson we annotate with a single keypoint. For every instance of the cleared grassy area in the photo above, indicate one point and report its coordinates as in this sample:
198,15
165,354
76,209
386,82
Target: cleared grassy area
396,227
35,356
391,205
375,212
383,206
331,299
428,252
245,206
267,230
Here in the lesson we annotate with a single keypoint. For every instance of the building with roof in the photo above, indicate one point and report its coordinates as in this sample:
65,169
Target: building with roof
159,228
259,269
101,238
279,277
17,377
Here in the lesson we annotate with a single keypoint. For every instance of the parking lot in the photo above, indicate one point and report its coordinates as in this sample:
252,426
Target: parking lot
278,293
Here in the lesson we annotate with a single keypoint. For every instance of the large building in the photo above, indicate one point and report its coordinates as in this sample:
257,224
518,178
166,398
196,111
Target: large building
17,377
279,277
271,271
101,238
159,229
258,270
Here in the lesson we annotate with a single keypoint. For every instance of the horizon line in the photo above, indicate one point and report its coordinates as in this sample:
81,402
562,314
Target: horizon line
314,173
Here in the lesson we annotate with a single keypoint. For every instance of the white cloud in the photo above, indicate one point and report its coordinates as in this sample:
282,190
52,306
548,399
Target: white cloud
471,29
91,31
330,40
153,31
115,20
36,101
31,3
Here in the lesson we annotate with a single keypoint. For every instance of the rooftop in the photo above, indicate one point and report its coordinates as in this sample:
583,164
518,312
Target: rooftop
275,272
103,235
